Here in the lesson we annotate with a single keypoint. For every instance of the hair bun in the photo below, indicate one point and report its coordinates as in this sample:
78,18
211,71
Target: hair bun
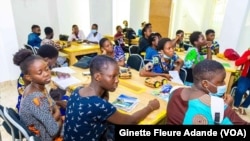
21,55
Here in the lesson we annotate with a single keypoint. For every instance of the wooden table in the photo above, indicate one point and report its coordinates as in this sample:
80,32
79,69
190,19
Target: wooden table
80,49
228,65
132,87
63,54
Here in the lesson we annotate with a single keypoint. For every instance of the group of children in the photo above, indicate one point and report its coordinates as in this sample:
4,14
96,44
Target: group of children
89,114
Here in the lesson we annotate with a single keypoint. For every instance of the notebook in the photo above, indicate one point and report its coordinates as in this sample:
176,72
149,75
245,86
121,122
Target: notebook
125,102
64,83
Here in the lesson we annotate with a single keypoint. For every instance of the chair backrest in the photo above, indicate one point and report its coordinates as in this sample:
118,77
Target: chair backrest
35,49
30,48
15,121
7,125
135,61
147,61
183,75
134,49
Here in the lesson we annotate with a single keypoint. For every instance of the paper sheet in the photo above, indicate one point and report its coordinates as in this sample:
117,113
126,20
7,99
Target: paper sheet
175,77
63,70
64,83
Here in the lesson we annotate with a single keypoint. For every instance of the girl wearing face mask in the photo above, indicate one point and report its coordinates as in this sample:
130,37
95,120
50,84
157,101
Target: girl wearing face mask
163,62
94,36
192,106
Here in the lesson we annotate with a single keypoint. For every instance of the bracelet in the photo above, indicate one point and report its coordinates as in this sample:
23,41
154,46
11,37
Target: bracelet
152,109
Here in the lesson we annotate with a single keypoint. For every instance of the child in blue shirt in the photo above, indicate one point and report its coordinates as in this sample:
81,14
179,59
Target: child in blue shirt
163,62
153,42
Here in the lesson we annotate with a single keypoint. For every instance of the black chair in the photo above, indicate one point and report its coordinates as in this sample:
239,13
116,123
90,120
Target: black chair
135,61
134,49
16,124
7,125
30,48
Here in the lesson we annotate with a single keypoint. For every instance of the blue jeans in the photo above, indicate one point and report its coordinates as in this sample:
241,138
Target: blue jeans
242,86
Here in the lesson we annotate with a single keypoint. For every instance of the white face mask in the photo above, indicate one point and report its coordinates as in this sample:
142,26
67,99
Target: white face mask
93,30
166,57
221,90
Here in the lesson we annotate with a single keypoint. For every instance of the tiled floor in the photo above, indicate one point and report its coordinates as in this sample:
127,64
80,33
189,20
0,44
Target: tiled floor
8,97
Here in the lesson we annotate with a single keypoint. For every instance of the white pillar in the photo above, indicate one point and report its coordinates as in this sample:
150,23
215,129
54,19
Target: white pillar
8,43
235,16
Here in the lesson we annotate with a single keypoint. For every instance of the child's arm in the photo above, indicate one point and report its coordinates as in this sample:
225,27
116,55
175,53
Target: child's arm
216,47
243,59
61,103
144,73
209,52
179,63
228,99
121,62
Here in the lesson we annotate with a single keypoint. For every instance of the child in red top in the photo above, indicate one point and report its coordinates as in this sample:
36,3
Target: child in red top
243,83
119,39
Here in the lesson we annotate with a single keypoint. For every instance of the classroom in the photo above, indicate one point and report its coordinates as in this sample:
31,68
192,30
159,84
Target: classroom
130,62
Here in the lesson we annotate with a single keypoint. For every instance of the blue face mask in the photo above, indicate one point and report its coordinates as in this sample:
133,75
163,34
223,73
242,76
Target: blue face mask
221,90
93,30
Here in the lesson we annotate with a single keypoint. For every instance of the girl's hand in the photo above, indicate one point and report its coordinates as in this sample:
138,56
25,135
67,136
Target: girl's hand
154,104
167,76
228,99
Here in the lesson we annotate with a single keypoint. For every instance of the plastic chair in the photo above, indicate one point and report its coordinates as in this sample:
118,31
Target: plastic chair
135,61
16,123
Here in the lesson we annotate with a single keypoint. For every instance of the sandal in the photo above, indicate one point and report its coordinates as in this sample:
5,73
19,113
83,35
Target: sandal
242,111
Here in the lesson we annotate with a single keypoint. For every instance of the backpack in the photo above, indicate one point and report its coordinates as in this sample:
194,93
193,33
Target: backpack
63,37
231,54
84,62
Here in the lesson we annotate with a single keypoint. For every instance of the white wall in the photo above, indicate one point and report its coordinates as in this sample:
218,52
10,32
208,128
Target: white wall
235,29
244,42
29,12
73,12
8,43
192,15
58,14
139,12
101,14
120,12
